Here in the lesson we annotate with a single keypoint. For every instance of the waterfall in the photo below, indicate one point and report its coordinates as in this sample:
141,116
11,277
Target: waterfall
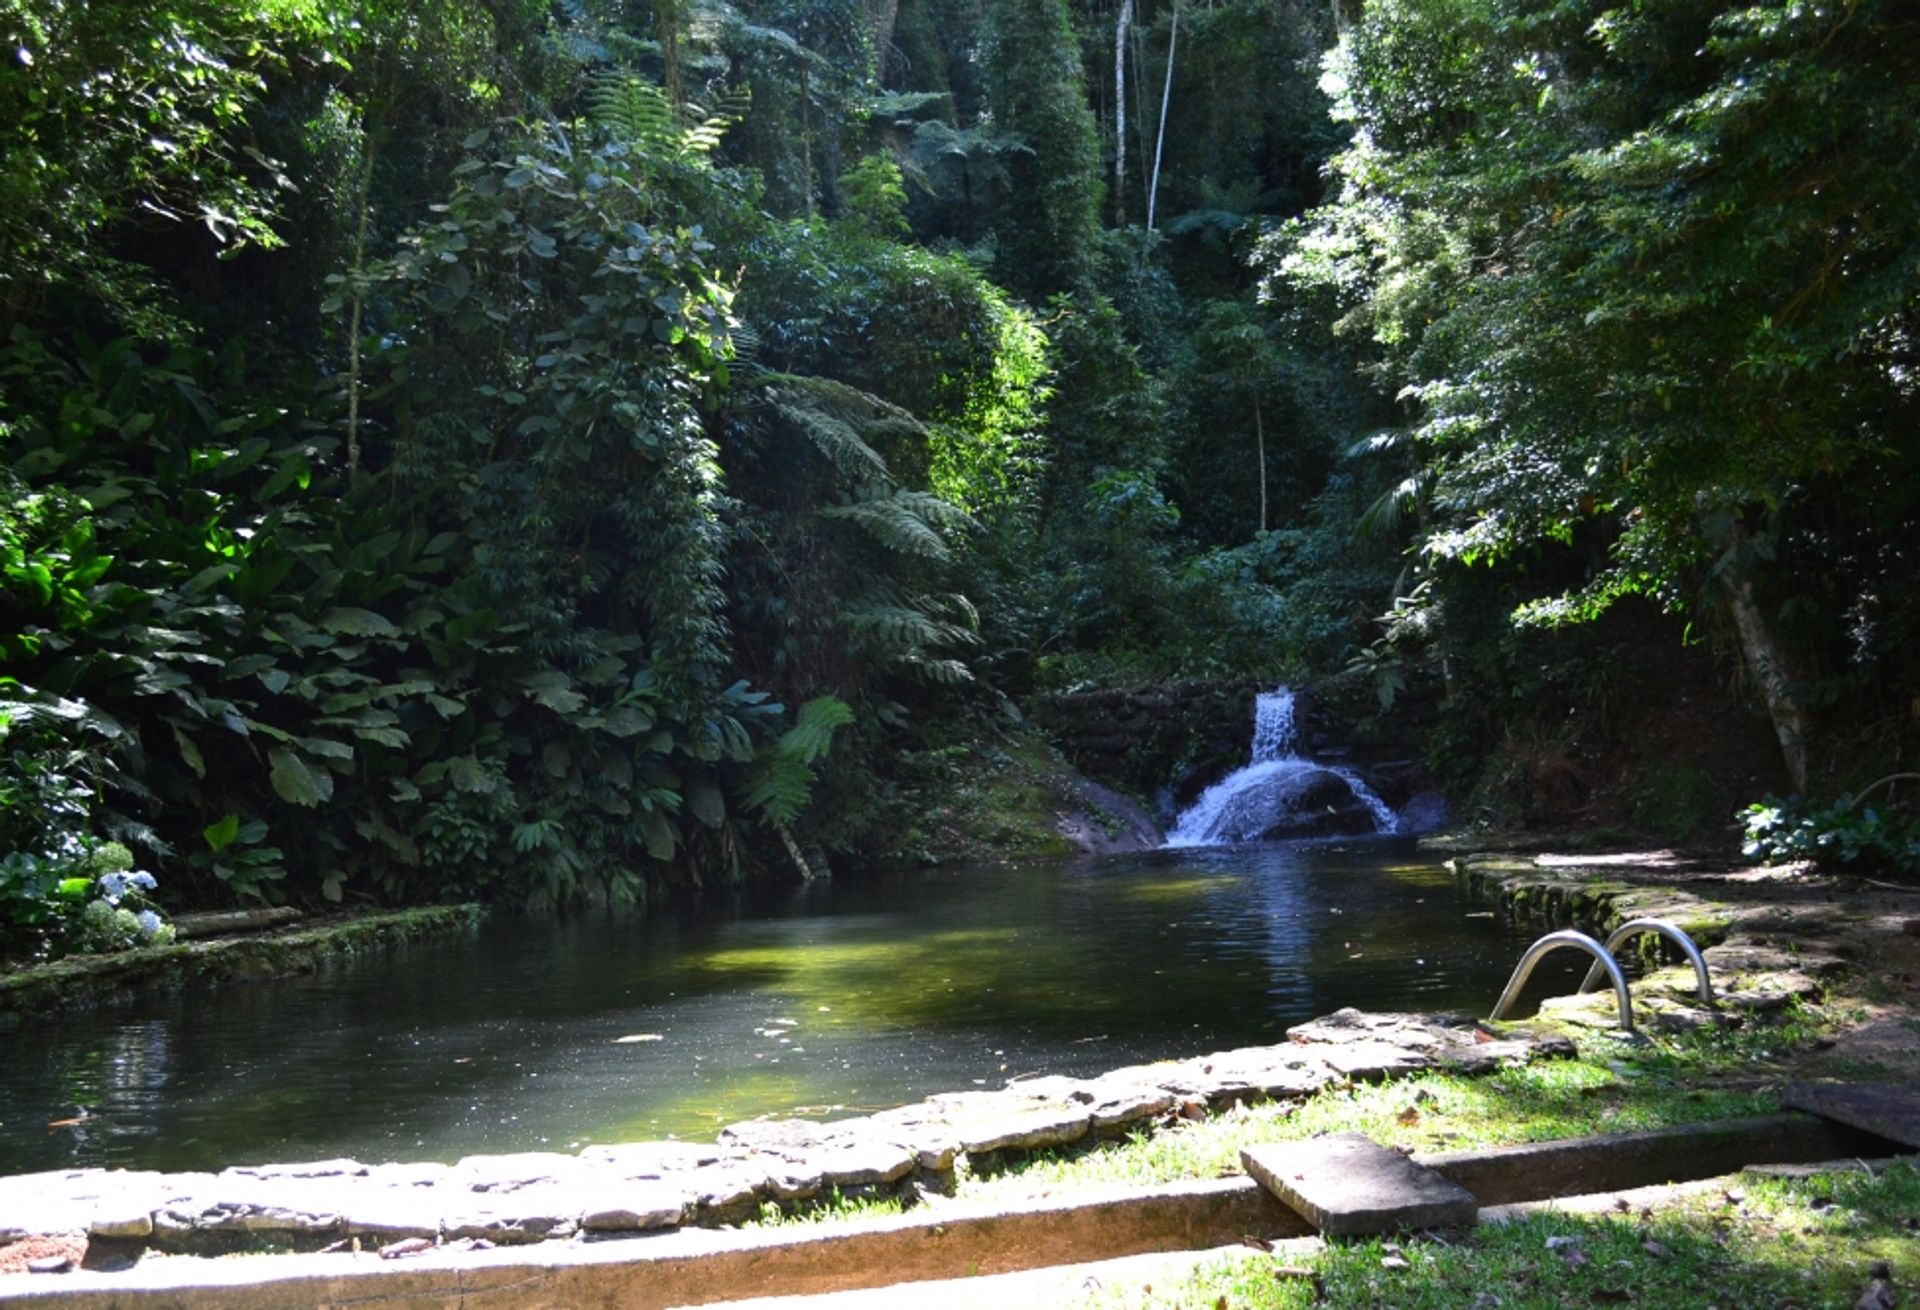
1280,793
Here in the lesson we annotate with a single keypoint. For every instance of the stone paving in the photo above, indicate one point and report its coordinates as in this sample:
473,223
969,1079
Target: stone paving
613,1190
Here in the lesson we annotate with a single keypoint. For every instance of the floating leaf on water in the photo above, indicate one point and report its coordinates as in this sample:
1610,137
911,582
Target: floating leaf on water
638,1037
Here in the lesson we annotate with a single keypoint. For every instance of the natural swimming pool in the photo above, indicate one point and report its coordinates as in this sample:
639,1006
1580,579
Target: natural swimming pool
834,998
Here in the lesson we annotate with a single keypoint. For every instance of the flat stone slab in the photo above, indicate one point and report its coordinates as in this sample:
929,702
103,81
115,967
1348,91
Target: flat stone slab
1347,1185
1878,1108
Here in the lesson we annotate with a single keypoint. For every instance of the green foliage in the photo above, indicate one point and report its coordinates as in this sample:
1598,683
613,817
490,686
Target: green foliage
1636,270
1678,800
1840,836
874,198
779,786
1047,227
116,110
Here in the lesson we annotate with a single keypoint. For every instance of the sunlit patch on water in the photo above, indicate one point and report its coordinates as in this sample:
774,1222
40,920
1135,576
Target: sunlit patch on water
1172,890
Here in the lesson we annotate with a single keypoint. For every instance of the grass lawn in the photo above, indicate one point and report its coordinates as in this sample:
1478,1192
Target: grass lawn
1614,1086
1765,1243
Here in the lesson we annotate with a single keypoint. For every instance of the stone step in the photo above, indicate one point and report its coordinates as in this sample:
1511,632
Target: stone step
1347,1185
1878,1108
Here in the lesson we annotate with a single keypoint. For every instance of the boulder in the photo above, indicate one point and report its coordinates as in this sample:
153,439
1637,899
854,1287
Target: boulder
1319,804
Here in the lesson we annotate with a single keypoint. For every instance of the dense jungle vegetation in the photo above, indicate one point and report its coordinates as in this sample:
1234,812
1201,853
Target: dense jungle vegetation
545,449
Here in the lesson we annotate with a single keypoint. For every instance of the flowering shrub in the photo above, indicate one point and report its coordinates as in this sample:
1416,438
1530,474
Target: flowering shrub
76,899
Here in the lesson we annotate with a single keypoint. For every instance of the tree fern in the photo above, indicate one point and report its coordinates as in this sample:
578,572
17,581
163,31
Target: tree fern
634,110
809,405
892,519
811,735
782,779
909,634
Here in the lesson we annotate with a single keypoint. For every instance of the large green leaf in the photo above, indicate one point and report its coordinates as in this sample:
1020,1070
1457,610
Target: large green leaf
189,752
348,620
220,835
297,781
554,690
467,774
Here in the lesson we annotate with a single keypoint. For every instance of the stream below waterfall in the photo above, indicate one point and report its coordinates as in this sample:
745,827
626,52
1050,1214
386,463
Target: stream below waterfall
834,998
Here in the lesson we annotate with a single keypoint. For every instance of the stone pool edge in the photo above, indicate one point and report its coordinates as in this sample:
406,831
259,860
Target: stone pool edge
605,1191
961,1241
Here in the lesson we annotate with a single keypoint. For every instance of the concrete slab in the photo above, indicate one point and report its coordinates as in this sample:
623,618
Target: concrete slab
1878,1108
1121,1284
1536,1171
1350,1186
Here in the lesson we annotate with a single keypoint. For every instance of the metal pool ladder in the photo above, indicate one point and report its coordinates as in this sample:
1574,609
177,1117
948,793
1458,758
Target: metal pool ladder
1604,962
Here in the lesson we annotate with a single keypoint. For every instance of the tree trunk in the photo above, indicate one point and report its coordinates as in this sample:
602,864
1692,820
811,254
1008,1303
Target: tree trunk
884,14
794,853
1120,113
806,142
370,130
667,18
1166,96
1260,448
1771,671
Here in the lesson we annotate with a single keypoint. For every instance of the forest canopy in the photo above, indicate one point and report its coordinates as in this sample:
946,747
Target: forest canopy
547,450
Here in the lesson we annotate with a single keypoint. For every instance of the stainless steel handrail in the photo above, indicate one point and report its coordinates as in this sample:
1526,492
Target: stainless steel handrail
1634,927
1603,959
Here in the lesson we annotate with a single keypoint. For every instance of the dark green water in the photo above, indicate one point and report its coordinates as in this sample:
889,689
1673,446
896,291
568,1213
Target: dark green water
833,999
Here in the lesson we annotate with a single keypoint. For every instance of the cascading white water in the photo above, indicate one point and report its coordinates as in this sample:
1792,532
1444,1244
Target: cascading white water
1278,793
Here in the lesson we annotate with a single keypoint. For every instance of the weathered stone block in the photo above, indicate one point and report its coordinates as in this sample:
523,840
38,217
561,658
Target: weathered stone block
414,1175
1878,1108
1012,1121
512,1173
337,1168
651,1159
121,1225
1348,1186
923,1130
1373,1061
531,1214
632,1207
727,1190
1249,1073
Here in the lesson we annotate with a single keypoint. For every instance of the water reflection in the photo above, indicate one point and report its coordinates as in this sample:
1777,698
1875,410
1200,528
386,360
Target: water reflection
833,998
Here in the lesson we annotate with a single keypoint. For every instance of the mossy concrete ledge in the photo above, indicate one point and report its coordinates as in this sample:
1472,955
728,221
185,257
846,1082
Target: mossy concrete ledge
1763,950
83,981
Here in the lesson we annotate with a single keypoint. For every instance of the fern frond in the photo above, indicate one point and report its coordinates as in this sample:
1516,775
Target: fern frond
832,435
812,732
948,673
778,789
892,521
901,627
709,123
937,512
903,104
634,110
